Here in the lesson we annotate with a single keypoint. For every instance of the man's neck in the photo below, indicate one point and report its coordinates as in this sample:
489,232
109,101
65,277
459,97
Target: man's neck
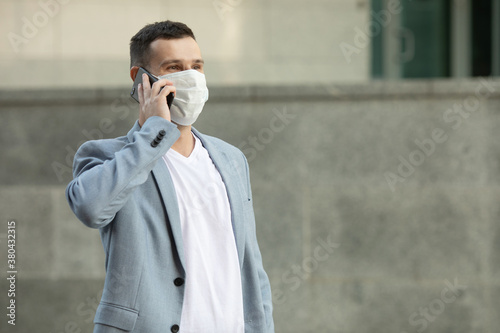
185,143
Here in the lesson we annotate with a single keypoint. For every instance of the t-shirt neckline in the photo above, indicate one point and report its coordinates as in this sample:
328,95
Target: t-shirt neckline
178,156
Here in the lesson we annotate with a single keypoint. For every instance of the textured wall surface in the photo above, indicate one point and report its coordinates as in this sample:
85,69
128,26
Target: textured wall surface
376,204
61,43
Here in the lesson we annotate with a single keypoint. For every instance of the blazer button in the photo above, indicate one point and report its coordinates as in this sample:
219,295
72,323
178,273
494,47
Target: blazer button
174,328
179,282
155,142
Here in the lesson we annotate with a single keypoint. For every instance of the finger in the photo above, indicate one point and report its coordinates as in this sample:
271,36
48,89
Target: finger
146,85
140,92
158,85
166,90
170,83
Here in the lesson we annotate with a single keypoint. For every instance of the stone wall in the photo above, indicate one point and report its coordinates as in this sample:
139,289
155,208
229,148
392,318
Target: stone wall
376,204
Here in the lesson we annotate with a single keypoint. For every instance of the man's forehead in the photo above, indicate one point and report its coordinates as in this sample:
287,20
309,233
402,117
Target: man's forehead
186,44
181,49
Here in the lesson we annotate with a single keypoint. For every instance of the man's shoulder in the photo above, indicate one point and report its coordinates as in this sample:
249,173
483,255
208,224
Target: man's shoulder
220,144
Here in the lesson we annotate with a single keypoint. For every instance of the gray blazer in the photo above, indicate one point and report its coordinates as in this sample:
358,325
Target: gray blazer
122,187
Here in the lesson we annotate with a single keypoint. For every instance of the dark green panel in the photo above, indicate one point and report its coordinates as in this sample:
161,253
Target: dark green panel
428,22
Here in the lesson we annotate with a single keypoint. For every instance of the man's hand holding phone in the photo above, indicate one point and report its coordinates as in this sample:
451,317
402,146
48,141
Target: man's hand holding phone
148,91
153,98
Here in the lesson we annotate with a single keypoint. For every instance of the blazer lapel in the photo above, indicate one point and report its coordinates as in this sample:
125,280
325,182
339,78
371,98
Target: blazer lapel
167,191
234,189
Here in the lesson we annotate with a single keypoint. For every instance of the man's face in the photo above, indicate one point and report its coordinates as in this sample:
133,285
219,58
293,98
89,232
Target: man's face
174,55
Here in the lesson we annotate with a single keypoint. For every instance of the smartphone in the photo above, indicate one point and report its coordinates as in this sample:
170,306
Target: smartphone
152,79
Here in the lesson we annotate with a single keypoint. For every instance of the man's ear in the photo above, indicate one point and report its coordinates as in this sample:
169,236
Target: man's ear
133,72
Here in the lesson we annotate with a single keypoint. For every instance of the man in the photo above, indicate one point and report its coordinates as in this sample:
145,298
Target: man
173,207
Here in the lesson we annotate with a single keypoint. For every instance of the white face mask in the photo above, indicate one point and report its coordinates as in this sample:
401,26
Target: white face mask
191,93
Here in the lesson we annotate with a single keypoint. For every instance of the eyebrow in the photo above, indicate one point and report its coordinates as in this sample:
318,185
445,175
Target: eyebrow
177,61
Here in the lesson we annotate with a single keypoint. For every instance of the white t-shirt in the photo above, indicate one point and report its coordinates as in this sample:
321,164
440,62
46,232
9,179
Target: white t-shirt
213,300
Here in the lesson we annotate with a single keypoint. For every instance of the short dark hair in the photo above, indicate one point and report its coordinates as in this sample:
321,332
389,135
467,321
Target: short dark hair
139,44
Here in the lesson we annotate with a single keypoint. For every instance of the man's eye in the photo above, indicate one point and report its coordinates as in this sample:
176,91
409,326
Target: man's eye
175,67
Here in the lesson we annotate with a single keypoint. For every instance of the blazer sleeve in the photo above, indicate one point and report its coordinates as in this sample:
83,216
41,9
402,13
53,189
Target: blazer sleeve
106,172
